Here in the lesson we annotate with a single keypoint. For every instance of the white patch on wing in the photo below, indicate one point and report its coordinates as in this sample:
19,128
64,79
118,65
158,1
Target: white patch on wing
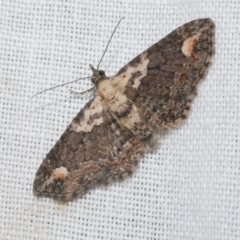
85,125
123,79
59,173
188,45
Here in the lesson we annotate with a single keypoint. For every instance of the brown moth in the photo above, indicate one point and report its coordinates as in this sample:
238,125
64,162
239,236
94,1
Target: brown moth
108,136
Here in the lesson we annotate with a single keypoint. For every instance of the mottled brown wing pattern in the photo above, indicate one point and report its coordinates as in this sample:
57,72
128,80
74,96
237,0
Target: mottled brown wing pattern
106,139
162,80
95,148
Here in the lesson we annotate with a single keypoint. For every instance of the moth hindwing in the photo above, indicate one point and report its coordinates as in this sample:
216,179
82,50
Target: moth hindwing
108,136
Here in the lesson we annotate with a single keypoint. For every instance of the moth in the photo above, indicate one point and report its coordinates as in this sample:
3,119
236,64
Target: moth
108,136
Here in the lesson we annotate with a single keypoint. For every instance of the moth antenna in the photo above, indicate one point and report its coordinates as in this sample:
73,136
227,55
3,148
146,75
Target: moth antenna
45,90
58,86
80,93
109,41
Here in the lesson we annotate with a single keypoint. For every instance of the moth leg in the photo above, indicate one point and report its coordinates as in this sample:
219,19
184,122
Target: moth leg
80,93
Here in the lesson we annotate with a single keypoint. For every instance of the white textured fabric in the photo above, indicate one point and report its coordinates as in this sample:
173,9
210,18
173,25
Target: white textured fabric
187,189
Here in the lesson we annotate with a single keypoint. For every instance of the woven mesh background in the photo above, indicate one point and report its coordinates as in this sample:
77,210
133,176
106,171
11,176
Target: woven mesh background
187,189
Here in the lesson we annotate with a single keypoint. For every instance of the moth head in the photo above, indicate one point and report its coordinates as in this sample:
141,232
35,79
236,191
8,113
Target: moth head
97,75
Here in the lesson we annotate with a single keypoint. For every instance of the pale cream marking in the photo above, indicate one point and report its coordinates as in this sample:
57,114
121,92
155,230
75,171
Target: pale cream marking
61,173
123,79
117,102
132,118
114,98
84,126
106,90
58,173
188,45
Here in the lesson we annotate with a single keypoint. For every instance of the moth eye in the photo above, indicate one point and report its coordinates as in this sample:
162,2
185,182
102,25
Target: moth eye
101,72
